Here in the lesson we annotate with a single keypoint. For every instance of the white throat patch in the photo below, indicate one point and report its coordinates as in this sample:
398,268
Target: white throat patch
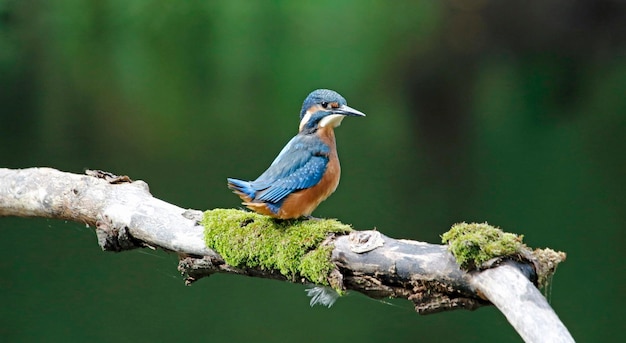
333,120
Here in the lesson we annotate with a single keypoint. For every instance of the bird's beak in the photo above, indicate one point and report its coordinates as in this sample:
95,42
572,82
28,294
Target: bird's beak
348,111
338,114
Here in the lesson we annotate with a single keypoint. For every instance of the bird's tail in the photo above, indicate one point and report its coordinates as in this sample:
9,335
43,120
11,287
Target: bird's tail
242,188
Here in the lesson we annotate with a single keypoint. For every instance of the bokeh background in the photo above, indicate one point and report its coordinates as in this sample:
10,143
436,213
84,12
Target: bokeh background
508,112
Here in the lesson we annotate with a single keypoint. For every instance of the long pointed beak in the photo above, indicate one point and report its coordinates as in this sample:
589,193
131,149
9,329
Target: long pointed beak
348,111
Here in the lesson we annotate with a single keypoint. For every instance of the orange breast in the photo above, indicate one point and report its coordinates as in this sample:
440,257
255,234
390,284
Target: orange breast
304,202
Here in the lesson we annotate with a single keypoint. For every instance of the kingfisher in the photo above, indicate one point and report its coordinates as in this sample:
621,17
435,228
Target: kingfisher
306,171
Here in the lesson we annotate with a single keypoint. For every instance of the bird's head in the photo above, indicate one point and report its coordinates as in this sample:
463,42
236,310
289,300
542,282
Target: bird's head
324,107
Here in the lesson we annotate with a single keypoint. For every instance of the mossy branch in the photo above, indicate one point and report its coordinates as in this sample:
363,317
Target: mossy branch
294,248
322,252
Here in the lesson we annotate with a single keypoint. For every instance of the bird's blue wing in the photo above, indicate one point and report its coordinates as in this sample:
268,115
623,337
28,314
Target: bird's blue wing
306,176
300,165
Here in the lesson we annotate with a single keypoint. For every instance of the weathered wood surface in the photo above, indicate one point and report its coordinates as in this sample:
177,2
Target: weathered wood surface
127,216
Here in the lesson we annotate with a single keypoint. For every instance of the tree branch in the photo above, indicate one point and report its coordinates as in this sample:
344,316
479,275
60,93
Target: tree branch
127,216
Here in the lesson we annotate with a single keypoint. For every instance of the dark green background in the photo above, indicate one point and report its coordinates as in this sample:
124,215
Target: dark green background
508,112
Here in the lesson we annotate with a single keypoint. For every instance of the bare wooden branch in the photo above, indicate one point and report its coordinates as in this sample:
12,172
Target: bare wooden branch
113,207
127,216
520,301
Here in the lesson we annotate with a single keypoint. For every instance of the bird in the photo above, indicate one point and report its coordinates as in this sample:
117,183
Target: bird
307,170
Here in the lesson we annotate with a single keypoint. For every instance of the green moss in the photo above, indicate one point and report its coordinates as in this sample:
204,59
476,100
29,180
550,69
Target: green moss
474,244
315,266
291,247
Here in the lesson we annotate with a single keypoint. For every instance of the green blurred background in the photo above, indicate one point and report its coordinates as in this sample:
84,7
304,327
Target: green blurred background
501,111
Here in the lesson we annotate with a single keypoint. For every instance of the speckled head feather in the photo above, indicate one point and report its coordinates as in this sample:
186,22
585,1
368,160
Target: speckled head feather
321,95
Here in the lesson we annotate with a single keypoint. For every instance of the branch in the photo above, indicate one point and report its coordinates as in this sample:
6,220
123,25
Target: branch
524,306
127,216
112,204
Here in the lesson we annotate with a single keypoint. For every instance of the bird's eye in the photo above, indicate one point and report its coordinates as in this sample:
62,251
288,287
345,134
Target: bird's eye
324,104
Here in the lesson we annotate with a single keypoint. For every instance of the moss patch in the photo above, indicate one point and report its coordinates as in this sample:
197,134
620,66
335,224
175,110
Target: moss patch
291,247
474,244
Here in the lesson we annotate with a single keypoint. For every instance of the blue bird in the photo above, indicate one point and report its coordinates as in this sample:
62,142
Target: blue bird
307,170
